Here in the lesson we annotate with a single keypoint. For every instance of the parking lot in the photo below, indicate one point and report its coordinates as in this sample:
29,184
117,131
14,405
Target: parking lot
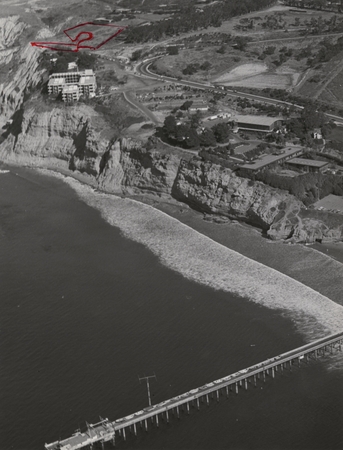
332,203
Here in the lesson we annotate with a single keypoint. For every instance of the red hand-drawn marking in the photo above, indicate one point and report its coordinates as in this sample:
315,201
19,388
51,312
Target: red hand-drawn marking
99,35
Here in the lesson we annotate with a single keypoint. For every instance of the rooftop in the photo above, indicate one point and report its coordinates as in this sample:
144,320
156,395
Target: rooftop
87,80
270,159
56,81
307,162
256,120
69,88
86,72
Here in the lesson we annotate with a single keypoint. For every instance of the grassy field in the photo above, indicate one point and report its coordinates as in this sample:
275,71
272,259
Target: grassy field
336,86
282,19
336,134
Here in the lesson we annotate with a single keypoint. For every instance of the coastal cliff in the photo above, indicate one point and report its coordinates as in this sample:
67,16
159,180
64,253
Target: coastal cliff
132,169
216,190
19,62
77,138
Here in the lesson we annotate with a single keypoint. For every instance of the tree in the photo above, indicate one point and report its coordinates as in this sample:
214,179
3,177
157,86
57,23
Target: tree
312,118
173,50
86,60
169,125
205,65
192,138
270,50
207,138
136,55
190,69
240,42
195,119
221,131
185,106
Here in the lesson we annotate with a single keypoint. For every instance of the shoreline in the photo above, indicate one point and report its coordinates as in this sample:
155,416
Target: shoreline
300,262
202,259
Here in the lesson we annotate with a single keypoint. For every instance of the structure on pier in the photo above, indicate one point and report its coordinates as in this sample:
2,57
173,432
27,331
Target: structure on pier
105,430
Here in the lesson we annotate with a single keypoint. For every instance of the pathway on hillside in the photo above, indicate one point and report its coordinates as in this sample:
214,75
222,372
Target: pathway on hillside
329,78
143,109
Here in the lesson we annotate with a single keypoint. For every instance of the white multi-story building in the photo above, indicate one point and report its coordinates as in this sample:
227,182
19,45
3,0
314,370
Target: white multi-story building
73,84
70,93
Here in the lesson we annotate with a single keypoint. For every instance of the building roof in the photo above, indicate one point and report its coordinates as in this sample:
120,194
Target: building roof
257,120
307,162
72,65
270,159
70,88
63,74
87,80
86,72
56,81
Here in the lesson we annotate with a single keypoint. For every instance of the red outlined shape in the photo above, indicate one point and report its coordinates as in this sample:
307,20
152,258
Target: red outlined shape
79,34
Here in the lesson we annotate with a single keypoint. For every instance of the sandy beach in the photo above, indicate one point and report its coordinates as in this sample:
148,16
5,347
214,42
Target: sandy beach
184,242
319,266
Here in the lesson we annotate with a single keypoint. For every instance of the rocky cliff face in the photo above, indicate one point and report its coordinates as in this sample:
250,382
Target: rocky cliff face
61,137
307,225
77,138
22,65
217,190
10,29
130,168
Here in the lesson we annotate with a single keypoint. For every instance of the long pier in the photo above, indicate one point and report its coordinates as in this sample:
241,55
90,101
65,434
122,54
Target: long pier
105,430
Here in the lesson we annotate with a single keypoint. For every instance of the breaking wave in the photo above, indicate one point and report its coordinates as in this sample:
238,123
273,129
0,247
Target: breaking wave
205,261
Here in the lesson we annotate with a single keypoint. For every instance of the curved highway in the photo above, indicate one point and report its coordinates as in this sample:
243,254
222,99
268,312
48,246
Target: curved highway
144,70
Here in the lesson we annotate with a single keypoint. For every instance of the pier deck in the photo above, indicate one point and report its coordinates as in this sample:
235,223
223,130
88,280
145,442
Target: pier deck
105,430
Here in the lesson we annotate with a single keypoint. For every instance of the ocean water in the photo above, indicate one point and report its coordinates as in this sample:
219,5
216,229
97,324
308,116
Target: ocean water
93,297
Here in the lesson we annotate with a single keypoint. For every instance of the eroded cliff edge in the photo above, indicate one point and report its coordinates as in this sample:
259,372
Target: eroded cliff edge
77,138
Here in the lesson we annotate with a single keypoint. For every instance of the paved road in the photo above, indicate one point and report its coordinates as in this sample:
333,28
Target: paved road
144,70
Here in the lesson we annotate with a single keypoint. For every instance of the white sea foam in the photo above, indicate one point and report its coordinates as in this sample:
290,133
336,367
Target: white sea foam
205,261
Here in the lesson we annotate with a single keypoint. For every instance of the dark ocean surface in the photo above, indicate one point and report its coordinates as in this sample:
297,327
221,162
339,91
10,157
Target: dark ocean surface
86,311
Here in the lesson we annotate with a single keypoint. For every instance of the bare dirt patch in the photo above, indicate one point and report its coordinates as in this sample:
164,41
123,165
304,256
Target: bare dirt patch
258,76
243,71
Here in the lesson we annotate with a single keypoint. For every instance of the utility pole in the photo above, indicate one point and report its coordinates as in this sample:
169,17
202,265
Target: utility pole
147,384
